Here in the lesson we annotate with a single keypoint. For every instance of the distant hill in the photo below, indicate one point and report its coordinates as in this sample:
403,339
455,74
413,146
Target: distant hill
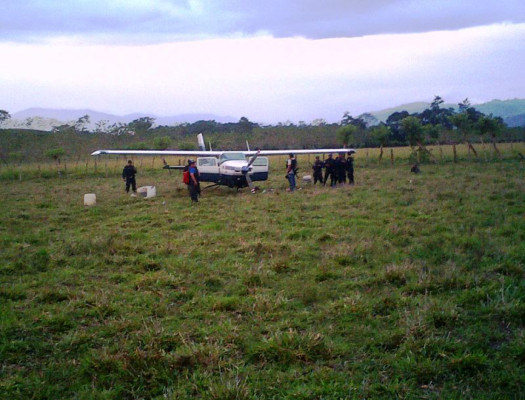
503,108
515,120
415,107
46,119
512,111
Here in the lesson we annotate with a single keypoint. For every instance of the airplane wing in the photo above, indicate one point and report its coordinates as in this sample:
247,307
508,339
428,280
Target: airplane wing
299,152
210,153
184,153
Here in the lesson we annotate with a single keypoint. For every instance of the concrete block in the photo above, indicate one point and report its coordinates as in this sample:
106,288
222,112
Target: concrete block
147,191
90,199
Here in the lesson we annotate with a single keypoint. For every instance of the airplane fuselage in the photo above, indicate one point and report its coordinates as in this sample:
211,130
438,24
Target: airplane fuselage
230,169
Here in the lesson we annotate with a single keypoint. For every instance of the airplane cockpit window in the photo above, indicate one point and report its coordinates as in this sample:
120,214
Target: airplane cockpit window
261,162
207,162
231,156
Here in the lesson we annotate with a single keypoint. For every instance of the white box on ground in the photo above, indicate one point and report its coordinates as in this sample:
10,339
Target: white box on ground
90,199
147,191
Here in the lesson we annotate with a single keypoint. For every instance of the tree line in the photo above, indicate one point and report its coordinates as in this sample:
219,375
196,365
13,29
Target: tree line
435,125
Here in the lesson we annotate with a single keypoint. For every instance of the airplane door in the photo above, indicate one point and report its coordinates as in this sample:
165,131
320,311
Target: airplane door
208,169
260,169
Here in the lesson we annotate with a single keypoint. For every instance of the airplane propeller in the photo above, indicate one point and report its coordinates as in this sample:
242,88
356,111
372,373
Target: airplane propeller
246,170
253,158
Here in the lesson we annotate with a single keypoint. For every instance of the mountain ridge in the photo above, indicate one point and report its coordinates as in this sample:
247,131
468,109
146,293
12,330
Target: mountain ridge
512,111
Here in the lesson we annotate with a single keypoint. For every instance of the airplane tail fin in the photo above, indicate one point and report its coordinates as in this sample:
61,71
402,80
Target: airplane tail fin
200,140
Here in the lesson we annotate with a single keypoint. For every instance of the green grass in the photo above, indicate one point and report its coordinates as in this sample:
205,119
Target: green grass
402,286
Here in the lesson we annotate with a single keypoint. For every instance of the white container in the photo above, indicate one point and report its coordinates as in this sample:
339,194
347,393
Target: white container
147,191
90,199
307,178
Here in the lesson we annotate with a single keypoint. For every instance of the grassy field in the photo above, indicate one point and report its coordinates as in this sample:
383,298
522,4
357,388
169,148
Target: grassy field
402,286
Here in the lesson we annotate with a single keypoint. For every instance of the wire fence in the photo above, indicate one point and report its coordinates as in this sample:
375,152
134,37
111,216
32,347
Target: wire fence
112,165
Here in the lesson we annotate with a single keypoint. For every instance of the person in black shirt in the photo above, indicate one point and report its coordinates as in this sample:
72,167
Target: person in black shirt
128,175
318,170
329,165
341,169
350,169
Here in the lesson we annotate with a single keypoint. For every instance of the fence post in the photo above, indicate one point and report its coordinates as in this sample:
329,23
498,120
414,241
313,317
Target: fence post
455,153
392,157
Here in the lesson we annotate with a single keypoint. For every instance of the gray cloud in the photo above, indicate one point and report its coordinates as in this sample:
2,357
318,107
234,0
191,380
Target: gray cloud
165,20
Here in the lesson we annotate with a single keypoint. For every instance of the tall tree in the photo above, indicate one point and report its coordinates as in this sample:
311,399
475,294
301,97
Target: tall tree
349,120
141,124
245,126
4,116
492,126
162,142
82,122
56,154
102,126
465,121
394,123
435,115
368,119
413,130
346,133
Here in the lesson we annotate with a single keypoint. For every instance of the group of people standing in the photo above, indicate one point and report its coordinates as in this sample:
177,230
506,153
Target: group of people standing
339,170
190,176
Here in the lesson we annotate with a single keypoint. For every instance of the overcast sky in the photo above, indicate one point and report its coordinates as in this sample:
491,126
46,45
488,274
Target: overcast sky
270,61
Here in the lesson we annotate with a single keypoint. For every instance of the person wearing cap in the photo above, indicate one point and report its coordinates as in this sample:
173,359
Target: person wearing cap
291,169
317,167
193,186
128,175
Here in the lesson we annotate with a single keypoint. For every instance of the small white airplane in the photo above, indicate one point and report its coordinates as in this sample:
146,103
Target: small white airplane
227,168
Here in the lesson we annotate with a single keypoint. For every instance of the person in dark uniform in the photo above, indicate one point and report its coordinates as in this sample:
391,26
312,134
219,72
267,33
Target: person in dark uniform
128,175
338,169
341,170
350,169
194,185
318,170
329,165
291,171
